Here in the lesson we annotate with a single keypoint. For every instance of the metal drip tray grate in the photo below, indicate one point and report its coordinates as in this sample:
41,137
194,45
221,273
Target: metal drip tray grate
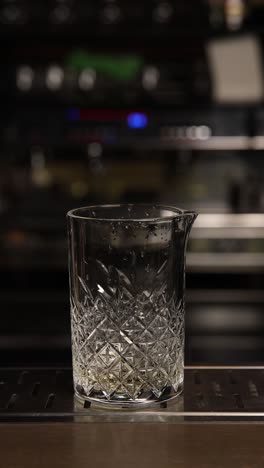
210,394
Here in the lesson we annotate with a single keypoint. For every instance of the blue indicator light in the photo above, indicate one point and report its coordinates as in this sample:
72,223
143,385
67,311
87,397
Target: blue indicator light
137,120
73,113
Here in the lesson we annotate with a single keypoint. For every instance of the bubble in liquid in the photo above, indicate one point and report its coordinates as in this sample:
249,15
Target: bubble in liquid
148,268
93,213
142,254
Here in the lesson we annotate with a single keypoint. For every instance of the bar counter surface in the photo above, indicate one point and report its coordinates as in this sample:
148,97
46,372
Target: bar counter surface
218,423
67,445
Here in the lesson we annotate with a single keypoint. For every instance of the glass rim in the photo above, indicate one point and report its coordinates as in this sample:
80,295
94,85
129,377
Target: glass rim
75,213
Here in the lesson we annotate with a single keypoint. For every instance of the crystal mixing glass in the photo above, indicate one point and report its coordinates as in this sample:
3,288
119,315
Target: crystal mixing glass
127,282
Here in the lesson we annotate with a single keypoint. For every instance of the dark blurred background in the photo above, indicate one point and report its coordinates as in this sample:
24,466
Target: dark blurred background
132,101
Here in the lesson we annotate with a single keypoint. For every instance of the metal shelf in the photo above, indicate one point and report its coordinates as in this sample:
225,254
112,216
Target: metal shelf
211,394
225,262
215,143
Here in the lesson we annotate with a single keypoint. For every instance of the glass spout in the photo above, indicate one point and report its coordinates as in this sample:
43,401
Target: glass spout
189,217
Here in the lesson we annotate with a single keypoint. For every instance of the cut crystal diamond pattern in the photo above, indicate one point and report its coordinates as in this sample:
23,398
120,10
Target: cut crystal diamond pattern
126,343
